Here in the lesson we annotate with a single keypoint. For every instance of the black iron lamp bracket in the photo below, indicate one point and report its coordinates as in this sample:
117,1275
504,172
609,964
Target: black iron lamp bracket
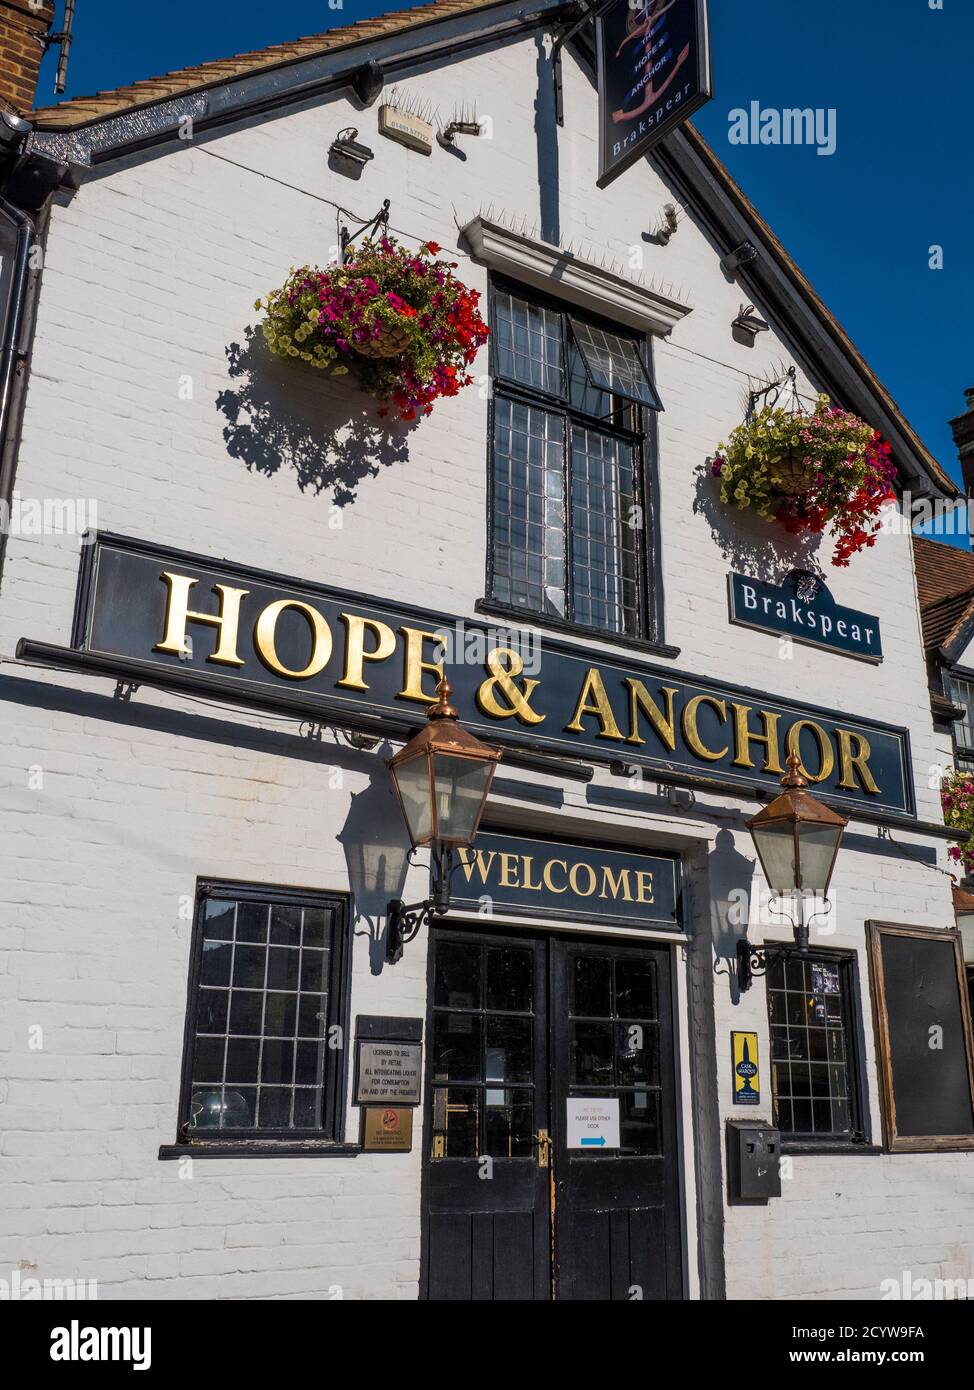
405,921
752,961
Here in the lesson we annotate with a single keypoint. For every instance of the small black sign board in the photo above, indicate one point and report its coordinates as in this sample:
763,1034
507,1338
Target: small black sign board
389,1028
654,71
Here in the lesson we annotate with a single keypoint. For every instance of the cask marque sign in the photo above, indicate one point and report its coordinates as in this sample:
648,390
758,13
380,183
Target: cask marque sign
163,611
526,876
653,61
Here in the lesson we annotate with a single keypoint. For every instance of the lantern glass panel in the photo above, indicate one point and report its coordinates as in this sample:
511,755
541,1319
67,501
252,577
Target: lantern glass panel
775,843
413,781
817,847
460,787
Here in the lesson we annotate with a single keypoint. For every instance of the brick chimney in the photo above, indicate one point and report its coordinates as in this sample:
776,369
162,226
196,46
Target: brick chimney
963,428
23,23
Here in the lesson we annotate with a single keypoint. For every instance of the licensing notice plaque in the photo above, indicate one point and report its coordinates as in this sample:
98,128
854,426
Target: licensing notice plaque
388,1073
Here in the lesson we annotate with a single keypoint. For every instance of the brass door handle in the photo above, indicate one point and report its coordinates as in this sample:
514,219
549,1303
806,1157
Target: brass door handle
543,1141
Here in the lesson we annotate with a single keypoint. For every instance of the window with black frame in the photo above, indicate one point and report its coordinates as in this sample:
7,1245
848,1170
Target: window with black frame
961,692
569,539
815,1080
264,1030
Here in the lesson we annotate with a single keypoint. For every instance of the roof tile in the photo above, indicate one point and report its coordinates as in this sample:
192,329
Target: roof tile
80,110
945,586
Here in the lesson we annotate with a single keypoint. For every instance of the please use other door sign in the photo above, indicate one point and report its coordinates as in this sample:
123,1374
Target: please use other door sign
593,1123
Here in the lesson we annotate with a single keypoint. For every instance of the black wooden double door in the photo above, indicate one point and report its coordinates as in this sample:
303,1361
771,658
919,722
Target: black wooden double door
527,1037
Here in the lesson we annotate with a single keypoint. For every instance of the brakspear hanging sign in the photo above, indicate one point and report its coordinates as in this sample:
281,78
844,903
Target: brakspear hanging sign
654,71
337,655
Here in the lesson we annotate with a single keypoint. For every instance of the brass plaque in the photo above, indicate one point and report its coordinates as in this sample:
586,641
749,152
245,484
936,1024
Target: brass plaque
387,1129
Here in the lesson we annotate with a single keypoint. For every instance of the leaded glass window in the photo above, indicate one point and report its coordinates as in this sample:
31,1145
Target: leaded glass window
267,999
814,1076
568,533
614,363
962,694
529,507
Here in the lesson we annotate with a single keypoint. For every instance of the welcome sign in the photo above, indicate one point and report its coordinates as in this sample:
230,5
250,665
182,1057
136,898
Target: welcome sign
337,655
653,63
569,882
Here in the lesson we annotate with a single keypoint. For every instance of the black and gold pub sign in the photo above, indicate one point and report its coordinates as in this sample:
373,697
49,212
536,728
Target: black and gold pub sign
344,654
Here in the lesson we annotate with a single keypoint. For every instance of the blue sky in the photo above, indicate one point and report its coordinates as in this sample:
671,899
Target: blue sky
860,222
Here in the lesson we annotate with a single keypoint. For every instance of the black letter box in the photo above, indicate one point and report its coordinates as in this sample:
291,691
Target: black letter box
753,1152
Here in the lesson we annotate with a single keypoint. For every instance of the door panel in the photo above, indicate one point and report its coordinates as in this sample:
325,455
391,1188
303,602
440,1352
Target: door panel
487,1201
617,1225
518,1025
622,1248
483,1256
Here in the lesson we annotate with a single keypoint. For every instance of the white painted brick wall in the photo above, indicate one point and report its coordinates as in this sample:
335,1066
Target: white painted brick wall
151,273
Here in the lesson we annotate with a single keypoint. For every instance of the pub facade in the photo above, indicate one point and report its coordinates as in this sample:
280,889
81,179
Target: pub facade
384,907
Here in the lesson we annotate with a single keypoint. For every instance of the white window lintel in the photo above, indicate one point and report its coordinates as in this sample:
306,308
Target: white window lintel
572,278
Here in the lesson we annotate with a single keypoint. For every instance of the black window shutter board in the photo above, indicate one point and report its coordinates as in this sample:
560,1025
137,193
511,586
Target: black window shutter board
924,1035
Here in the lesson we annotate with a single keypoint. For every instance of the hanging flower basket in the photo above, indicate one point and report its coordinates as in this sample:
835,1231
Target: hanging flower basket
392,341
399,320
807,471
957,800
792,475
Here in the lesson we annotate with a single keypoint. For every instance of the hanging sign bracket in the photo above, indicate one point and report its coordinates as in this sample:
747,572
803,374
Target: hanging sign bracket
591,12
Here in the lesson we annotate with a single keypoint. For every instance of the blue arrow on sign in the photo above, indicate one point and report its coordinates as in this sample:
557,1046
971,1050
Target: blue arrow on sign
600,1141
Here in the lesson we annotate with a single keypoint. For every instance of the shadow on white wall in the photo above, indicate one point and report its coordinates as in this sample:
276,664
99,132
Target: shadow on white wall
289,415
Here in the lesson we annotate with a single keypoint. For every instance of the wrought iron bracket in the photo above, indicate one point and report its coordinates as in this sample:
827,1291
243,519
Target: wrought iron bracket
593,10
403,923
371,225
752,961
787,378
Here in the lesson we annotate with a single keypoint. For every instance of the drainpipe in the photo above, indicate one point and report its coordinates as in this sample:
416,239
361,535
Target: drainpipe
9,348
10,351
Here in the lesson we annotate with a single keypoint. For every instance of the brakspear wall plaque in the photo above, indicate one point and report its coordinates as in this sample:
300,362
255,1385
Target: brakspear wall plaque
340,654
803,609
